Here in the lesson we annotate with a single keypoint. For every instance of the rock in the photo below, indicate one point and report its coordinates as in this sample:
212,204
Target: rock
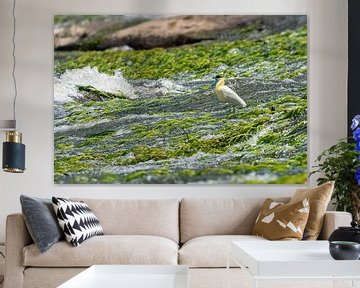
73,36
69,36
144,32
174,31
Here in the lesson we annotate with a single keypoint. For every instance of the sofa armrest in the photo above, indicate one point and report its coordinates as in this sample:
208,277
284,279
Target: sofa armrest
17,237
333,220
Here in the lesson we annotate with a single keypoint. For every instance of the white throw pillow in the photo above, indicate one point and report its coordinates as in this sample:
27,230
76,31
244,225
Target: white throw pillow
77,220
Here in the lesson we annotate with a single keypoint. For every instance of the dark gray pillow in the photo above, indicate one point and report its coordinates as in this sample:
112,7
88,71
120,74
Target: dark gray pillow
41,221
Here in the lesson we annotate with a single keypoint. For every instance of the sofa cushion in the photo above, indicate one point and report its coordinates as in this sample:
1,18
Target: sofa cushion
77,220
41,221
35,277
107,249
200,217
279,221
211,251
158,217
319,198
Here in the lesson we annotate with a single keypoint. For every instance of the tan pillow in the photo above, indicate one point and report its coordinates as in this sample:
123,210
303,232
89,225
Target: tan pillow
319,198
279,221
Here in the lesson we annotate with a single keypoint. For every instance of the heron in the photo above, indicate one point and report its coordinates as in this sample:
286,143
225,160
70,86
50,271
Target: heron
226,94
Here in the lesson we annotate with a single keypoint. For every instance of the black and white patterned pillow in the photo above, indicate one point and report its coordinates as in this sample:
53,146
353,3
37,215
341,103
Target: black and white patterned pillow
77,220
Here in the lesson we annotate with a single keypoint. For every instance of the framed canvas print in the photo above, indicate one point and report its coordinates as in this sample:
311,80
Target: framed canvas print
181,99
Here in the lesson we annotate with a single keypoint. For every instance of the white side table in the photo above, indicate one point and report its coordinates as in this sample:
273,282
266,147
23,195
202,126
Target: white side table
286,261
131,276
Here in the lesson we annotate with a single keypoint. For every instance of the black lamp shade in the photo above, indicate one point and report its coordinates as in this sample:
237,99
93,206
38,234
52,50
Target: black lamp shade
13,157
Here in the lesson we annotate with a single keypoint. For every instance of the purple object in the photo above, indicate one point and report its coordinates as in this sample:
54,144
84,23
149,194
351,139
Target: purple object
356,134
355,122
357,176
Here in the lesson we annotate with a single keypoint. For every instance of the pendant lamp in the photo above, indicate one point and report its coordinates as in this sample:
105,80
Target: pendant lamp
13,149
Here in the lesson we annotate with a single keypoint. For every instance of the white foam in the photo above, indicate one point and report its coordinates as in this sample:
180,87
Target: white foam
65,86
158,88
68,127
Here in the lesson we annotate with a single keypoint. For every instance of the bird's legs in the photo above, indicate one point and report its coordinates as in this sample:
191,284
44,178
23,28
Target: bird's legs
231,110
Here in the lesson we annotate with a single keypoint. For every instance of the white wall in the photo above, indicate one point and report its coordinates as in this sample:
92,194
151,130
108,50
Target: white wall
327,20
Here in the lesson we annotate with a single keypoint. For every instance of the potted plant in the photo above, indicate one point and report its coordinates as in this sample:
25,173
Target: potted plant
341,163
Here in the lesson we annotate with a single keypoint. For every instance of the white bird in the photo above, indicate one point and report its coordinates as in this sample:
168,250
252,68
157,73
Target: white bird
226,94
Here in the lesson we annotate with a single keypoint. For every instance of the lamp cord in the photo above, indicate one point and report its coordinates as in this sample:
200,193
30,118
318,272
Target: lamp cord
14,60
2,280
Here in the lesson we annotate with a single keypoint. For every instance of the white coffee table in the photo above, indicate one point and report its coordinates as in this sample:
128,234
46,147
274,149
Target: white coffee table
131,276
293,260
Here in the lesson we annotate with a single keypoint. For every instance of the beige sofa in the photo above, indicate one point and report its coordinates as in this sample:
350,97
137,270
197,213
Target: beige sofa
194,232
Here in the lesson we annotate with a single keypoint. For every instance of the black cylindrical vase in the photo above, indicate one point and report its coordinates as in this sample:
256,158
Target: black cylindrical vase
13,153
